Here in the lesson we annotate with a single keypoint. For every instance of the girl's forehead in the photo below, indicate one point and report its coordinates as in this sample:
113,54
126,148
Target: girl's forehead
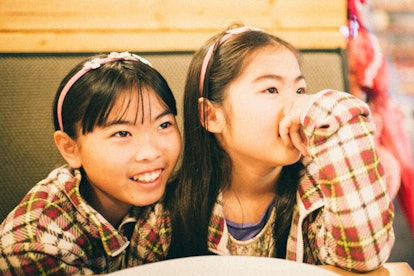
270,59
270,52
136,102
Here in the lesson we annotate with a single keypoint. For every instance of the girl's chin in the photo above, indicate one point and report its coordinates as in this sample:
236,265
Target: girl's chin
145,199
293,156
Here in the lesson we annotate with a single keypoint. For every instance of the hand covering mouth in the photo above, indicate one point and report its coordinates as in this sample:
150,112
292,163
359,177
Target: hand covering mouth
147,177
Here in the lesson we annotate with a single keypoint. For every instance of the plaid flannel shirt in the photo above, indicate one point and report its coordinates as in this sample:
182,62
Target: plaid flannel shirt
53,231
343,215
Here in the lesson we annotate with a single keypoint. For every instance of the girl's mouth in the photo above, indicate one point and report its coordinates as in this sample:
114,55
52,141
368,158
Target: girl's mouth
147,177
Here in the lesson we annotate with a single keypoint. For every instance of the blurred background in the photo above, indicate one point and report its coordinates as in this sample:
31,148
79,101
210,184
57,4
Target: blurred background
40,40
393,24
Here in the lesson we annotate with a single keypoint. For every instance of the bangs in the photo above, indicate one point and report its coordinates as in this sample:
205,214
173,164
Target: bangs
112,97
126,99
109,94
116,106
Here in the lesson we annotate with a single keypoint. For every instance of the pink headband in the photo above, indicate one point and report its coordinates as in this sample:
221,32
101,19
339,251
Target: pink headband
90,65
210,51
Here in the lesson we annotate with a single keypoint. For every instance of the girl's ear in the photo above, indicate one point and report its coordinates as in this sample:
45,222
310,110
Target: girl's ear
211,116
68,148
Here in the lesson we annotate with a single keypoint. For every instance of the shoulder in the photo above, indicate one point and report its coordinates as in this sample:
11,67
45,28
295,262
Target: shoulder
43,208
38,230
54,185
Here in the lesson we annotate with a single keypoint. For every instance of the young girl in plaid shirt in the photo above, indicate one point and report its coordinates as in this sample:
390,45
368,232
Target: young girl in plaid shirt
115,125
270,170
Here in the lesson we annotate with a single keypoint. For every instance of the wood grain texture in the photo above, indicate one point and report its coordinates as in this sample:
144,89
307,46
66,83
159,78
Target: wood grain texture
157,25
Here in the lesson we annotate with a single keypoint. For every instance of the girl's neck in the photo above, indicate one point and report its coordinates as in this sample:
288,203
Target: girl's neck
249,194
112,211
254,183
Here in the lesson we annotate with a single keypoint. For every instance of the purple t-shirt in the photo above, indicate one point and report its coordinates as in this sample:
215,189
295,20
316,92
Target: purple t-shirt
246,231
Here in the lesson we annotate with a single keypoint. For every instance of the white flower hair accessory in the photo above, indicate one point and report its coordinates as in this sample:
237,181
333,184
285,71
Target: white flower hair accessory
92,65
97,62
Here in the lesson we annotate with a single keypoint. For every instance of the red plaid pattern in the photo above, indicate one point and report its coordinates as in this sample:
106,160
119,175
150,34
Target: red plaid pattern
344,216
152,236
53,231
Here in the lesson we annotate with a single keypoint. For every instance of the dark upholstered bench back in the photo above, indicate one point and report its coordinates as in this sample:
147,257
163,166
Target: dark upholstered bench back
28,83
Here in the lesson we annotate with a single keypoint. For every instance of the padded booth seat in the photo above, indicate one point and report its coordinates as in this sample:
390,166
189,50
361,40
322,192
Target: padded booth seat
28,83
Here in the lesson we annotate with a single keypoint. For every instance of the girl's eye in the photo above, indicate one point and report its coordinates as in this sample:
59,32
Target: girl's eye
301,91
122,134
165,125
272,90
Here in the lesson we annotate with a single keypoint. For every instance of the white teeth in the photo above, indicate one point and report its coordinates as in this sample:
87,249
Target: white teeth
147,177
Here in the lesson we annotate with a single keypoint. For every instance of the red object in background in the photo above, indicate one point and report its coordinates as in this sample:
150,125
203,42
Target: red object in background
369,80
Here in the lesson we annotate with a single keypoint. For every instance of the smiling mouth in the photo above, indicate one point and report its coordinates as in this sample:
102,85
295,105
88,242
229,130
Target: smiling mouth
147,177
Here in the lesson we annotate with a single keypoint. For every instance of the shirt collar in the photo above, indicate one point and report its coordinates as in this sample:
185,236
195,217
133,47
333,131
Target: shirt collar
113,241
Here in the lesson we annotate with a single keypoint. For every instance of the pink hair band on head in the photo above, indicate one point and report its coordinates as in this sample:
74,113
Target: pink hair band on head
210,51
91,65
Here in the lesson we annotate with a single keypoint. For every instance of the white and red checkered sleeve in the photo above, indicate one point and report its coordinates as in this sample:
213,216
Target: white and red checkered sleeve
356,232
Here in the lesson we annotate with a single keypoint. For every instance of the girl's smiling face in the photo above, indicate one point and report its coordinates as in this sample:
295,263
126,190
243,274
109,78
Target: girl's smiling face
253,107
129,159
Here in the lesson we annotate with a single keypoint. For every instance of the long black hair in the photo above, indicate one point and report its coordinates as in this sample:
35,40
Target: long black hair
206,167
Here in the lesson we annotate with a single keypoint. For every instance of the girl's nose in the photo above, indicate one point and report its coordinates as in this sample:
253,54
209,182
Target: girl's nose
148,149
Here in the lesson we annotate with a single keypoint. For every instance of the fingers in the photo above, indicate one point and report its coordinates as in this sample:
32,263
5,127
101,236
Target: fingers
284,132
289,126
299,140
292,135
304,139
291,131
285,124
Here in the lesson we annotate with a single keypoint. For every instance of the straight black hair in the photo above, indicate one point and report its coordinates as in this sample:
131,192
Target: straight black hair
206,167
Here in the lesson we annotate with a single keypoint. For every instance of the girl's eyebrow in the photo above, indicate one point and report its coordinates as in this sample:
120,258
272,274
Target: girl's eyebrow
162,114
126,122
276,77
118,122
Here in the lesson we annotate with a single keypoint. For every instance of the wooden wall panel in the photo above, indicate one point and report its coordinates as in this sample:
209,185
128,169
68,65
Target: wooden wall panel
160,25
